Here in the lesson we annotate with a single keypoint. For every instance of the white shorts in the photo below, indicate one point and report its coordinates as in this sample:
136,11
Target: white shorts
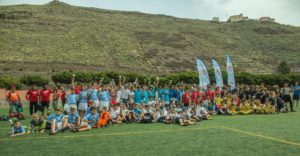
82,106
67,107
85,124
59,125
96,103
152,103
104,104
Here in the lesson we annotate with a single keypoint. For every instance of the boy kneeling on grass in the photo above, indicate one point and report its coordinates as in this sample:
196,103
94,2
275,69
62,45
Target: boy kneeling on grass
89,121
17,129
37,124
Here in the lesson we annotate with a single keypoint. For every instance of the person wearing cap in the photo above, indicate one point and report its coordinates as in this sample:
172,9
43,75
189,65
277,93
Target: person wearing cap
13,98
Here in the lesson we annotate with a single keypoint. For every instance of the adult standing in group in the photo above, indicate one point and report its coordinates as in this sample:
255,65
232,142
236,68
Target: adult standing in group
13,99
44,97
32,96
286,93
296,95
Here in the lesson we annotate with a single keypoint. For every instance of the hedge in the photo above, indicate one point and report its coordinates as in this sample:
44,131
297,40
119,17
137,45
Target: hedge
30,80
182,77
8,81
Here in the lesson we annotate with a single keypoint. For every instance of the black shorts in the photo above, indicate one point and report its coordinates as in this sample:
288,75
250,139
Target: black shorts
45,104
287,98
296,97
177,120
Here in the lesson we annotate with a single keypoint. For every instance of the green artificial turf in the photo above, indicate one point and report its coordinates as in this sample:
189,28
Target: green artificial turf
276,134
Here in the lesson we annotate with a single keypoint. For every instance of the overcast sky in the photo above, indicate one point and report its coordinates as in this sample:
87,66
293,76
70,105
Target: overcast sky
284,11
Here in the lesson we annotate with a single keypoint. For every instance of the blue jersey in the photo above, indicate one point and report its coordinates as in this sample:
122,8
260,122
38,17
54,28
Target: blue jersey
83,96
172,93
160,93
137,111
297,90
87,111
14,130
92,117
146,96
72,99
58,118
166,93
104,96
93,95
73,118
137,96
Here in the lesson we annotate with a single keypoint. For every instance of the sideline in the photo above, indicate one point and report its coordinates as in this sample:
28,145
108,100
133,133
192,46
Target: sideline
107,134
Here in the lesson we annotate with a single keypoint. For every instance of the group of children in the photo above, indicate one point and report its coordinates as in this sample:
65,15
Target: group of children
99,105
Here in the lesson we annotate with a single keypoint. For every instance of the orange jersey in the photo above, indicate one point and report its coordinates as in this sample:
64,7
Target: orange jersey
13,96
104,117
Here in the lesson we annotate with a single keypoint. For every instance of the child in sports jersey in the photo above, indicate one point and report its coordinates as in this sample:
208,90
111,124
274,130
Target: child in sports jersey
56,120
104,118
37,124
116,117
17,129
89,121
73,120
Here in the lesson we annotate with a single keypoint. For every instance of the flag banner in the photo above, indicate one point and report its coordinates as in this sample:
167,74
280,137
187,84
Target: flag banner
203,74
230,73
218,73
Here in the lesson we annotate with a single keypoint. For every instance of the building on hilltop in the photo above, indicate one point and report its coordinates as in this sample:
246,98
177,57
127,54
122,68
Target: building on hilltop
266,19
215,19
237,18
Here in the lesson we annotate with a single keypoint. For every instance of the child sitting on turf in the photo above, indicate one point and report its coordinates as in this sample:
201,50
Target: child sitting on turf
147,115
89,121
245,108
73,120
37,124
56,121
116,117
104,118
17,129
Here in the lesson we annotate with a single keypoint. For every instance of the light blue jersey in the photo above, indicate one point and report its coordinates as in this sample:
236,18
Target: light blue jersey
104,96
92,117
83,96
72,99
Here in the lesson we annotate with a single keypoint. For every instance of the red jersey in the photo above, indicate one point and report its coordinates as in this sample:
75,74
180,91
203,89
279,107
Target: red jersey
45,95
186,97
210,93
195,95
77,90
63,95
32,95
218,91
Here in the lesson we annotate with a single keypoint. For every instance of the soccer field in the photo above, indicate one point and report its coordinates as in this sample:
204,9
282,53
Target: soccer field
277,134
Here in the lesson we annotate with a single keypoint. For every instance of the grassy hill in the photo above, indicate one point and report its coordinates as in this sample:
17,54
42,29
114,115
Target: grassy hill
57,36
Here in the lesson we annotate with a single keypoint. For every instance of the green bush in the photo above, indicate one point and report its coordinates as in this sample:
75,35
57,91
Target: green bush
8,81
190,77
30,80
